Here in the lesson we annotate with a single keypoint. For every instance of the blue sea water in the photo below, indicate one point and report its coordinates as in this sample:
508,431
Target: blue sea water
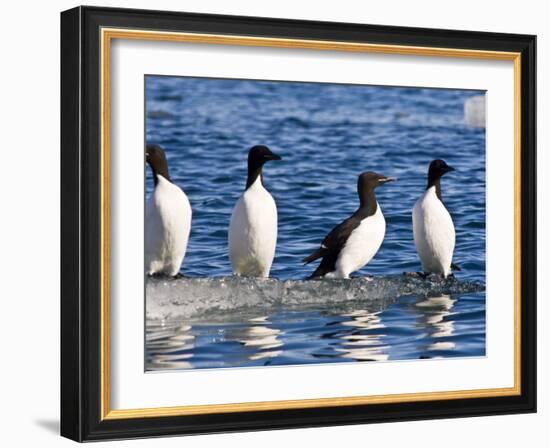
327,134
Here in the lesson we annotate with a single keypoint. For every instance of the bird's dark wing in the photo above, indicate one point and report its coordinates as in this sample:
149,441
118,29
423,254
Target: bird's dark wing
321,252
332,245
328,264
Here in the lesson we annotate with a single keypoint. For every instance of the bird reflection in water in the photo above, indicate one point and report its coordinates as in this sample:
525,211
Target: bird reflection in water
364,342
434,317
170,347
262,339
358,335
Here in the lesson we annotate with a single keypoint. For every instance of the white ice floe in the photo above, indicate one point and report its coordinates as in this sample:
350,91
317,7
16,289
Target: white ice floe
195,297
474,111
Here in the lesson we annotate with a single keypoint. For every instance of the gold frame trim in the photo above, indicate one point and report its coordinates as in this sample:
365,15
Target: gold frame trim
107,35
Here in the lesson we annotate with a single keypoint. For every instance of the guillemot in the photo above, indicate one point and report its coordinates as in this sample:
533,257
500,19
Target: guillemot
167,219
253,226
354,242
433,228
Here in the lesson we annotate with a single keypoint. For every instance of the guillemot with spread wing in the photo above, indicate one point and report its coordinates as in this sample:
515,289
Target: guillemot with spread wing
354,242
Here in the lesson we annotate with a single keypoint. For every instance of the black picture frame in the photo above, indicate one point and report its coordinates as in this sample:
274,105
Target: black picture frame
81,224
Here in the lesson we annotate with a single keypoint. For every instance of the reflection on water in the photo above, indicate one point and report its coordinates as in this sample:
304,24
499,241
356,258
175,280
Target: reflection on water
172,344
410,328
434,317
366,342
263,339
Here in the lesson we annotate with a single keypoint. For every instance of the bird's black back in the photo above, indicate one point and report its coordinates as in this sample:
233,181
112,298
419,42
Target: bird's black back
334,242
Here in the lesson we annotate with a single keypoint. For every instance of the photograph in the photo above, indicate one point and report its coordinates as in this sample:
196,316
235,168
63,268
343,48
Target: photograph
295,223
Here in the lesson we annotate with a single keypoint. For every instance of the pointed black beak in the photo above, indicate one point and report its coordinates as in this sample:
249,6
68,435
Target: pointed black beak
450,168
387,179
273,157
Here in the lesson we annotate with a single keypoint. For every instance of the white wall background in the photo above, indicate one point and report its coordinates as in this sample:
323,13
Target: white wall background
29,223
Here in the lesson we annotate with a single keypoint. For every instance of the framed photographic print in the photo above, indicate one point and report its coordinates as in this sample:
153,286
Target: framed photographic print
274,223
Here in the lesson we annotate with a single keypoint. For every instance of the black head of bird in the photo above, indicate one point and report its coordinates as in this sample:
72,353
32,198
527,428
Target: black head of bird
260,154
369,181
257,157
156,158
437,169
